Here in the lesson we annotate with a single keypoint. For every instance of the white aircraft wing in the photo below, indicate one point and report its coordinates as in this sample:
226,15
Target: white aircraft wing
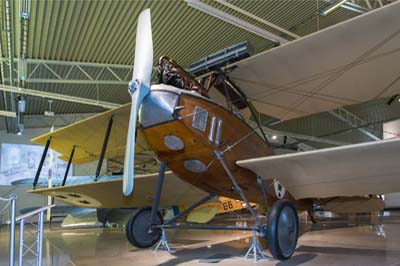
349,63
360,169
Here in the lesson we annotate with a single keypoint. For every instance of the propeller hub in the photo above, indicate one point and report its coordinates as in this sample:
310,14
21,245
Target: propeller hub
133,85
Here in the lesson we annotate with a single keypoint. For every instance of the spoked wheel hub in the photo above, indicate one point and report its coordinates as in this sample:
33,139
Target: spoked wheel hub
139,229
283,229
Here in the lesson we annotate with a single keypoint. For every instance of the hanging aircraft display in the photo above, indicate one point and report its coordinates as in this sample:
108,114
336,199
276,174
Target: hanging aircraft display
212,151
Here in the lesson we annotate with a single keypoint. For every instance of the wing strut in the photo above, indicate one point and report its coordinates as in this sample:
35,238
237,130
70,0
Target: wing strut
39,170
71,156
237,97
104,148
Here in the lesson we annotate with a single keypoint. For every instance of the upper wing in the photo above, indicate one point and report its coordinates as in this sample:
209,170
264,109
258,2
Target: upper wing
108,194
87,136
349,63
361,169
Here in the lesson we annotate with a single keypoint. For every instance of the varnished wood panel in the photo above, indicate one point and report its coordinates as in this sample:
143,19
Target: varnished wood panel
244,143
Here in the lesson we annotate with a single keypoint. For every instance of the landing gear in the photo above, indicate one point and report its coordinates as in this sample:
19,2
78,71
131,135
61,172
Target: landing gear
311,216
140,229
283,229
102,215
146,226
283,222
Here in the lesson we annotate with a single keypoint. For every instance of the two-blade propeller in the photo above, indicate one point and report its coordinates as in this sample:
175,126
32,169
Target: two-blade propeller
139,88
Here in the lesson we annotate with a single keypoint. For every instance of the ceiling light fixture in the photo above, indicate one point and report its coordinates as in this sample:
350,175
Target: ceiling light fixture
21,110
355,8
212,11
332,7
49,112
269,24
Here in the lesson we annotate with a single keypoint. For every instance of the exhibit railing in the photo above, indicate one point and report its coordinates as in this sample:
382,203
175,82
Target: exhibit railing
35,218
4,210
10,204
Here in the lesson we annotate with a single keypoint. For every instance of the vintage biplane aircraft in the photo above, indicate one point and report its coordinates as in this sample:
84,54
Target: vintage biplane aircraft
213,151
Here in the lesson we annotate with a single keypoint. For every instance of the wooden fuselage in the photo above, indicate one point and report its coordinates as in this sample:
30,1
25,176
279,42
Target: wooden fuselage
187,139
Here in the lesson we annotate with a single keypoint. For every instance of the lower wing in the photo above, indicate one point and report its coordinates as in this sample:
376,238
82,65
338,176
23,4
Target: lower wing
353,204
108,194
353,170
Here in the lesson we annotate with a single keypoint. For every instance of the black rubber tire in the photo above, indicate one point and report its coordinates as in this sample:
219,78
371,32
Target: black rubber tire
276,231
137,228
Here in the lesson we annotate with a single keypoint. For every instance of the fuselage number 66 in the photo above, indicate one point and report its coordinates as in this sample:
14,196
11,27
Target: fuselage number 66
227,205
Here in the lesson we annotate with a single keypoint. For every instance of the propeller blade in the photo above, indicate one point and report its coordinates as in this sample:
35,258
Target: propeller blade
139,88
143,65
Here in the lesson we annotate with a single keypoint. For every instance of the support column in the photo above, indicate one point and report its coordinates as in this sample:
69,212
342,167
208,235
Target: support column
40,238
21,242
254,248
12,228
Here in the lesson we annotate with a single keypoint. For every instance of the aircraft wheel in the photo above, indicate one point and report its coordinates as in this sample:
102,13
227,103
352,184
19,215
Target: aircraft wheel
139,229
283,229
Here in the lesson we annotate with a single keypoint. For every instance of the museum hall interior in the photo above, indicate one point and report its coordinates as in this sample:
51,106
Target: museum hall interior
199,132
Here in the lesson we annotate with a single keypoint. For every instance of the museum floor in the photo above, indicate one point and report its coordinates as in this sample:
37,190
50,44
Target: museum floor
335,242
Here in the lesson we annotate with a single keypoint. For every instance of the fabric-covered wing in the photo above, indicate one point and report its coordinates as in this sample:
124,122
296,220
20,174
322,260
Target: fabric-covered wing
349,63
108,194
361,169
353,205
88,135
